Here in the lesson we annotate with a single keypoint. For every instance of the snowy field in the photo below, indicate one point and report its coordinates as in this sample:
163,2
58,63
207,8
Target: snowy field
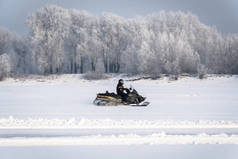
186,118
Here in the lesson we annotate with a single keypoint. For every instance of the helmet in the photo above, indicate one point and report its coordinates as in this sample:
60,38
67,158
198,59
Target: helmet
121,81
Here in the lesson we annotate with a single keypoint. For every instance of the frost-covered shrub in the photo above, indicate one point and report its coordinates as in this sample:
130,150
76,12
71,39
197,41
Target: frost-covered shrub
94,76
173,77
202,71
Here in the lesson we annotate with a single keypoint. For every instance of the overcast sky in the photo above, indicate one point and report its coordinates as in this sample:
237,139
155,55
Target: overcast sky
220,13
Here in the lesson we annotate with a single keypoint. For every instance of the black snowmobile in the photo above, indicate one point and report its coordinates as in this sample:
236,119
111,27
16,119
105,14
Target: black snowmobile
112,99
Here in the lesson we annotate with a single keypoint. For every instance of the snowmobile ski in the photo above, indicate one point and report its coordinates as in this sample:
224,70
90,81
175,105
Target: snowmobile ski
143,104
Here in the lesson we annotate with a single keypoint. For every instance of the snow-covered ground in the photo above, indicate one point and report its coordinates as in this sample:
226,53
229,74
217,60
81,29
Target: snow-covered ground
57,112
215,98
119,152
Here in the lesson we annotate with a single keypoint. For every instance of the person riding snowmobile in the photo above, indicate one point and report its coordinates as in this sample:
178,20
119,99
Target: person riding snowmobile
124,96
121,90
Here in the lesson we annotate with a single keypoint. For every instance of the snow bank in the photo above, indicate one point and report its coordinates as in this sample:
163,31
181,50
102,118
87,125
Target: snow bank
83,123
128,139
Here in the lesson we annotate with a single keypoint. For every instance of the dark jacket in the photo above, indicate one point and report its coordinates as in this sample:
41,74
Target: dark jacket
120,89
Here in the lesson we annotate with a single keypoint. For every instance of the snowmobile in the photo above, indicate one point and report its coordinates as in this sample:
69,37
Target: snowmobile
112,99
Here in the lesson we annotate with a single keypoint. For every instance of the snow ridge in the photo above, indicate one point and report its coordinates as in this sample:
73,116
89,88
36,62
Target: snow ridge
128,139
83,123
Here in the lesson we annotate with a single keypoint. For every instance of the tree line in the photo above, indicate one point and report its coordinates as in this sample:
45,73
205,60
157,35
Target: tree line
74,41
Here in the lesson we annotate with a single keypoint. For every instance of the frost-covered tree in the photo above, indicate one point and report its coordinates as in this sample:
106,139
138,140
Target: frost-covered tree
48,28
5,66
5,49
74,41
5,40
133,58
230,55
